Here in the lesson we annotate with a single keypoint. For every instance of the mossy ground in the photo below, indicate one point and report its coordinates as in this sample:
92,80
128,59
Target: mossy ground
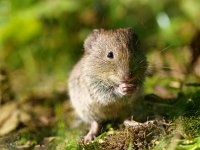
177,126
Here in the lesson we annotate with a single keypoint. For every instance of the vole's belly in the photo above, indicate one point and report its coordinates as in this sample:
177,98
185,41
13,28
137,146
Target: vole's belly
112,111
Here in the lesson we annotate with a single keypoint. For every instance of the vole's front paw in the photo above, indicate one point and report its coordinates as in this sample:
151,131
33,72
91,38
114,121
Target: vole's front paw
125,88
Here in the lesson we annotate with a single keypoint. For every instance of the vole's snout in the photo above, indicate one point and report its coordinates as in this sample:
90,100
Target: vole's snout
127,78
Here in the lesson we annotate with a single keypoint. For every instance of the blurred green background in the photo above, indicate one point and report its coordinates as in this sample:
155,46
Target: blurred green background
40,40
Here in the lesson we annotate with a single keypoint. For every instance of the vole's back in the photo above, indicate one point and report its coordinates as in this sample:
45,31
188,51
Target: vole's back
104,83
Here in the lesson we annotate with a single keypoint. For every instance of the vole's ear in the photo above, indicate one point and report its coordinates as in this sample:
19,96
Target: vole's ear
90,40
135,42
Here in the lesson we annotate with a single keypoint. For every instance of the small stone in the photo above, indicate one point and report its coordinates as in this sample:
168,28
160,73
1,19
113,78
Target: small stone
101,141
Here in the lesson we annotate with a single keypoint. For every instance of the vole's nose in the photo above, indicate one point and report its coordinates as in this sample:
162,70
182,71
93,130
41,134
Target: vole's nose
127,77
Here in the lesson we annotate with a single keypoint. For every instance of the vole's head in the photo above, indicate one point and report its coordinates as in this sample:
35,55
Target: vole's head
113,56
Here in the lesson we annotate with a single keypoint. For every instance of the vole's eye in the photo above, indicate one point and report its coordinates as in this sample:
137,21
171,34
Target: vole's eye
110,55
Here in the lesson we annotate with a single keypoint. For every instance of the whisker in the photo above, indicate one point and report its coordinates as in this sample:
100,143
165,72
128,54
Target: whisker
139,68
164,49
139,61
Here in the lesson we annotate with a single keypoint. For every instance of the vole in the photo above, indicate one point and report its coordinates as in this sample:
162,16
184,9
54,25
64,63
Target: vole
108,78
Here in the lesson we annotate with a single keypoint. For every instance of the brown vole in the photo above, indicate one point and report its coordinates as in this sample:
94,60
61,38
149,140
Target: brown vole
108,78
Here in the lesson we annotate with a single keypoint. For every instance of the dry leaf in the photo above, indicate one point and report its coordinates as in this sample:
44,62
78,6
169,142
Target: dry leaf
11,116
6,110
10,124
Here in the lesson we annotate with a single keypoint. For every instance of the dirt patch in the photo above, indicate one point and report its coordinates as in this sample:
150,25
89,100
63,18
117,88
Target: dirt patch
142,136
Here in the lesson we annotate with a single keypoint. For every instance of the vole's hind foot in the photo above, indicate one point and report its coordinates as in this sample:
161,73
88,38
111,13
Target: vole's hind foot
133,123
94,130
89,137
